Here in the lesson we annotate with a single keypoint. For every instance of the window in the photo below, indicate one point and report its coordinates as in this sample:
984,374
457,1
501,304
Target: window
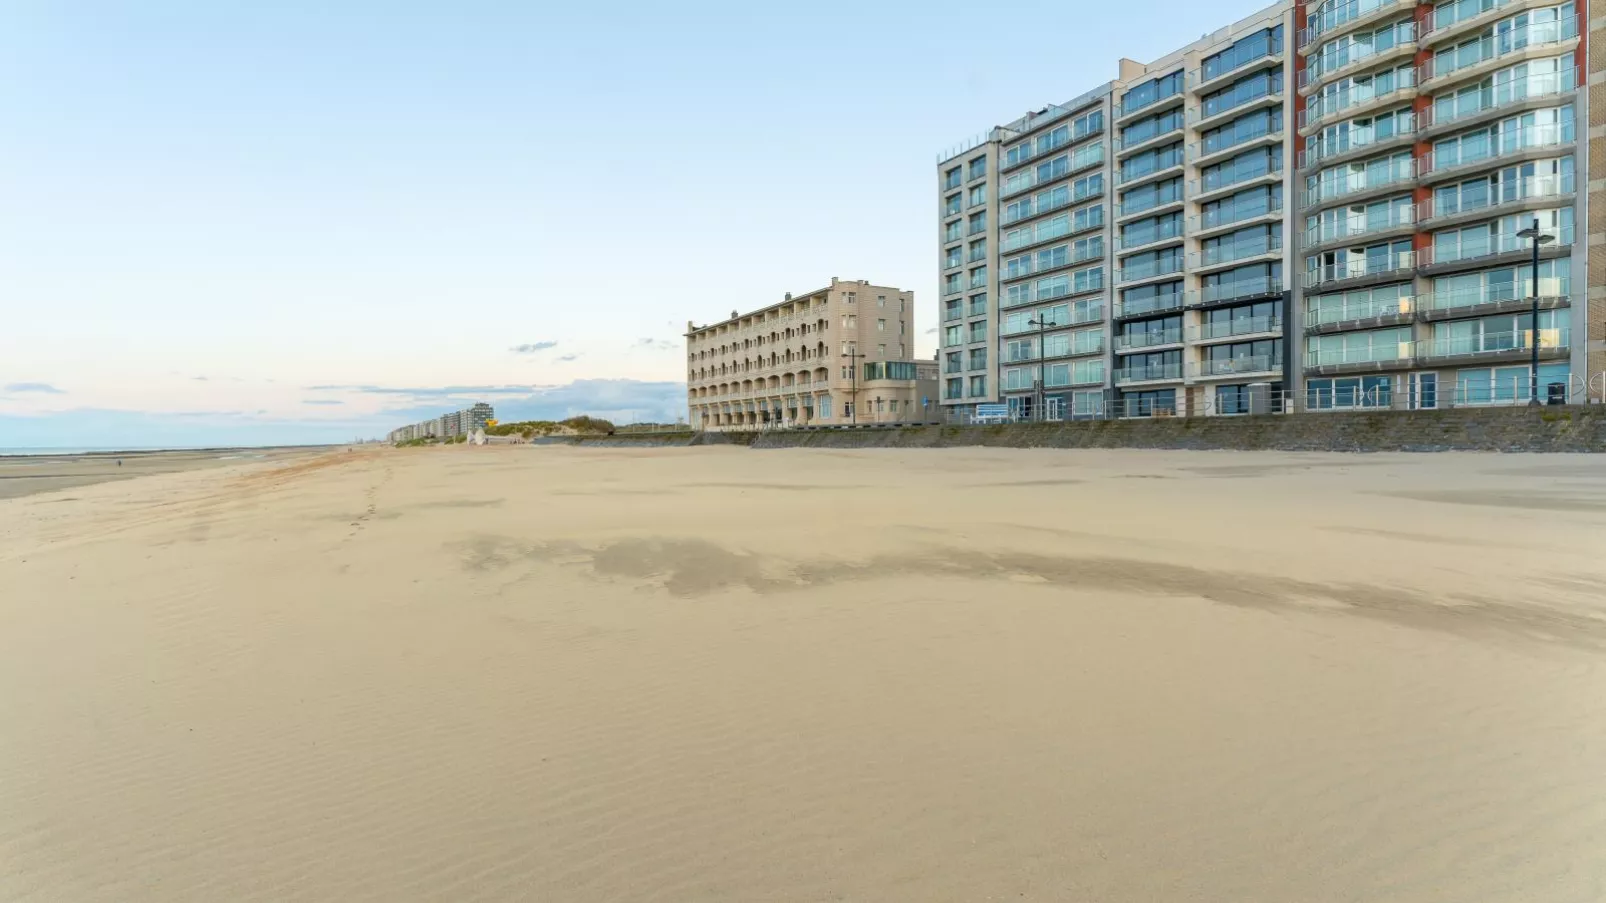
1350,392
978,277
880,325
1151,127
954,388
1501,284
951,232
1248,203
952,257
978,331
978,386
1506,385
1151,263
978,251
825,407
1159,296
1242,282
951,284
978,359
1246,89
953,335
1247,127
881,301
901,355
1151,161
1248,165
953,362
1358,347
978,194
951,178
1358,304
1147,197
950,205
978,167
1152,229
978,306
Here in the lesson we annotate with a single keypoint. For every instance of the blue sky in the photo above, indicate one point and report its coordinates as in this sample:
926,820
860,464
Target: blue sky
306,221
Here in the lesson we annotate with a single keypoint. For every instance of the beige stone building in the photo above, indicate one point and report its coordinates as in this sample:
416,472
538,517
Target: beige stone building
838,355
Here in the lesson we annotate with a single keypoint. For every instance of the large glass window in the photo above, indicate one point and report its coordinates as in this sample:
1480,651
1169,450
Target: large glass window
1151,127
1245,166
1147,197
1151,161
1244,50
1247,127
1242,91
1152,91
1158,296
1359,347
1154,228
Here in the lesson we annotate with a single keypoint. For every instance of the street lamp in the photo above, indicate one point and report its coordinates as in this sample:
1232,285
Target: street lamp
853,356
1042,353
1539,238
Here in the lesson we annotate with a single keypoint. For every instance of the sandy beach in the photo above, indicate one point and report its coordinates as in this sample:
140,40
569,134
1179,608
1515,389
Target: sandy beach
715,674
22,475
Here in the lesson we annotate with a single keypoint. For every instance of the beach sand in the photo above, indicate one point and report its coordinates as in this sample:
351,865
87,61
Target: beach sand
714,674
22,475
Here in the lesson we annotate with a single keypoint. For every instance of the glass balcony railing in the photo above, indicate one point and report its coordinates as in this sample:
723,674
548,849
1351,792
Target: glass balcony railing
1239,366
1136,238
1471,199
1227,177
1488,294
1227,140
1335,184
1335,140
1359,224
1501,43
1058,168
1494,342
1487,246
1345,310
1466,106
1327,104
1333,16
1270,87
1237,326
1149,373
1228,252
1140,306
1361,354
1172,195
1149,167
1148,339
1337,56
1477,147
1251,287
1227,214
1151,268
1370,265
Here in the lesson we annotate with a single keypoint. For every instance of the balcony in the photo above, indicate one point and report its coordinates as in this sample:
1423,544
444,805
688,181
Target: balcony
1345,17
1488,300
1202,153
1356,141
1149,270
1357,314
1510,196
1477,151
1125,146
1237,290
1350,185
1216,183
1497,346
1366,359
1168,165
1145,306
1236,327
1125,114
1131,241
1166,202
1153,338
1094,250
1355,100
1266,93
1533,90
1360,225
1478,57
1442,24
1371,268
1233,252
1496,249
1246,366
1240,212
1325,67
1200,82
1125,376
1053,171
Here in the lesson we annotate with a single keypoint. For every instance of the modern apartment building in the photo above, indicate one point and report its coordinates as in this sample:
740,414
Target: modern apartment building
839,355
447,426
1321,201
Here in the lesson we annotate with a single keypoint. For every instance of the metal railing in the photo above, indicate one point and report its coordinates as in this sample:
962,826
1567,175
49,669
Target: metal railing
1476,148
1498,96
1238,288
1321,147
1498,45
1237,326
1505,194
1490,294
1331,17
1370,265
1319,313
1156,305
1359,224
1328,64
1247,365
1151,373
1323,104
1242,249
1334,184
1148,339
1493,342
1495,245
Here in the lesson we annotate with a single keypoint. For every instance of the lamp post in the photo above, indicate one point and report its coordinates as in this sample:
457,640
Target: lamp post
1539,238
853,356
1042,353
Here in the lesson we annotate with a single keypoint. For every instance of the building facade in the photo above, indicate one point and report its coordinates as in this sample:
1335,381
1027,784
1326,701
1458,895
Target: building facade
1317,205
838,355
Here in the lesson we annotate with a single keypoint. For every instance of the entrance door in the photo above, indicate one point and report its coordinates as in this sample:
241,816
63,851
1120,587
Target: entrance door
1424,391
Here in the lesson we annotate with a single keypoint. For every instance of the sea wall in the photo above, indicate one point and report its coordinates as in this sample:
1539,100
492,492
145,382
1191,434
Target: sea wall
1506,429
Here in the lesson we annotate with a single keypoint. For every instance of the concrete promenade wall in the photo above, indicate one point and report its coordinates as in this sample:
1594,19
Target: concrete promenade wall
1505,429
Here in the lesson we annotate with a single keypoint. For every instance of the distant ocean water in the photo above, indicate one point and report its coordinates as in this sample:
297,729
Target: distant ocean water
86,449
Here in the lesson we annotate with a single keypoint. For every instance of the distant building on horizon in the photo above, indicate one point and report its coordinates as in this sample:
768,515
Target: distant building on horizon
838,355
447,426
